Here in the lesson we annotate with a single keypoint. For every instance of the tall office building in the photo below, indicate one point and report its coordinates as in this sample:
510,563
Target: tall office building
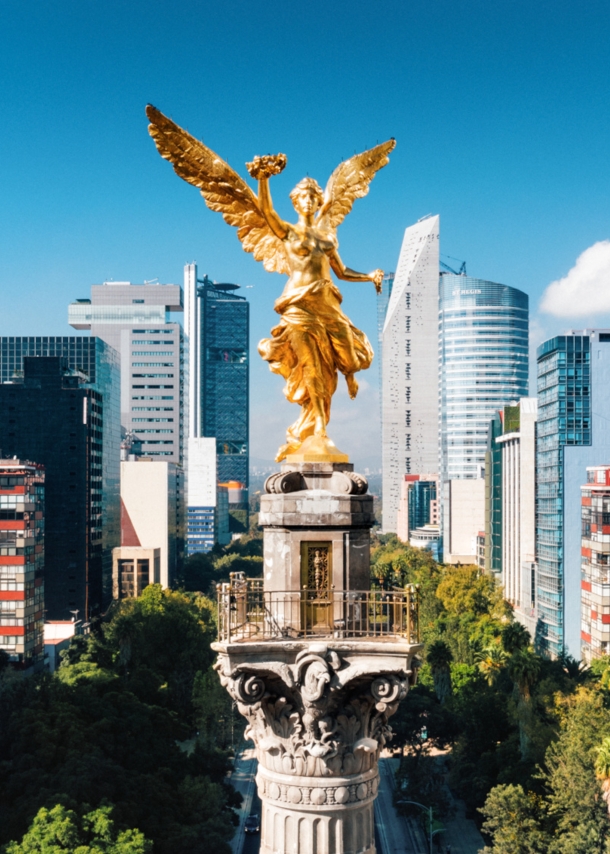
217,325
493,497
510,506
136,321
22,562
417,521
217,328
53,416
383,300
97,365
573,372
89,356
483,365
409,369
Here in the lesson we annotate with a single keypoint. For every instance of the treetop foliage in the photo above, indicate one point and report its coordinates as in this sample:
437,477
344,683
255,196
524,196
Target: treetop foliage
109,729
203,571
58,830
529,737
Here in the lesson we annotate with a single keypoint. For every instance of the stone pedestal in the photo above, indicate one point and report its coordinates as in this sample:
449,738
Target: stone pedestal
316,661
323,504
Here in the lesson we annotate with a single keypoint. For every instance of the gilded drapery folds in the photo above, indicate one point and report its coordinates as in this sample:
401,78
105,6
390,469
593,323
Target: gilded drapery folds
312,343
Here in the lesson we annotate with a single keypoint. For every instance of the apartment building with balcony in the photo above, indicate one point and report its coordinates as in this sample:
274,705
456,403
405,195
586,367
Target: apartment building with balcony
595,565
22,486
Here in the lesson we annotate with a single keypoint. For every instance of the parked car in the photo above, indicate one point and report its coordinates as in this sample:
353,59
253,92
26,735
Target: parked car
253,824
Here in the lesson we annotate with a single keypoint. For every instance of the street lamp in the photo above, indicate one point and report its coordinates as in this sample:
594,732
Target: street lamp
429,810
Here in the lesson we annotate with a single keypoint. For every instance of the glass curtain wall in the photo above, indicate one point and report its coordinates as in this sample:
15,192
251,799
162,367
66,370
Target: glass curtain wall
483,365
564,418
224,375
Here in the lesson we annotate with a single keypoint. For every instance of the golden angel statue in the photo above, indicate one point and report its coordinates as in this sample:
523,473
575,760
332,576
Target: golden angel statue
314,339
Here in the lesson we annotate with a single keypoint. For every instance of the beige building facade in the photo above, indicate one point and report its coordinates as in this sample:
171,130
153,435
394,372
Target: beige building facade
519,511
464,502
152,514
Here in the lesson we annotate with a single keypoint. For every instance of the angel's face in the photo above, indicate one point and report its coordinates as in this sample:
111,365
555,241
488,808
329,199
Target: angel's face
306,201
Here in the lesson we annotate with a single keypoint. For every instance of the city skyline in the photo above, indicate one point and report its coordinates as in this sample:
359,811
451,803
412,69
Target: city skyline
507,145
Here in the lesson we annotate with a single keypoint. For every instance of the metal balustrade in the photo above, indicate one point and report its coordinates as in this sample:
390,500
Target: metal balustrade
248,612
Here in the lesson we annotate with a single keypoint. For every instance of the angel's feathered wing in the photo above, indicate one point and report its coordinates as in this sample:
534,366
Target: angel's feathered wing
220,186
350,181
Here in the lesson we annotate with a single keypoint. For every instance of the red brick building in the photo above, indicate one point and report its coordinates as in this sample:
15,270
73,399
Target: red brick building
22,562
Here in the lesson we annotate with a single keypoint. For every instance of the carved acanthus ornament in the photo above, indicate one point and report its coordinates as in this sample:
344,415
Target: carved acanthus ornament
318,717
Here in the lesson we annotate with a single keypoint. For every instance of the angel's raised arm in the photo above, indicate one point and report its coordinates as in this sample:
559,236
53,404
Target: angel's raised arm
262,168
276,223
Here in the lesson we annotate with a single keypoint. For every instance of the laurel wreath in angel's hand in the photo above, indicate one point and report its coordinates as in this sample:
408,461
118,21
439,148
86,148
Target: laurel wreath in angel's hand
225,191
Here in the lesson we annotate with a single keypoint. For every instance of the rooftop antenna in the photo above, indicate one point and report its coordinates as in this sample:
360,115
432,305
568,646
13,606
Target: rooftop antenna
151,281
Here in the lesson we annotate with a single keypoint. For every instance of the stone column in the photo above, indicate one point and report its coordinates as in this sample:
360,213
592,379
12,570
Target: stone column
318,715
315,661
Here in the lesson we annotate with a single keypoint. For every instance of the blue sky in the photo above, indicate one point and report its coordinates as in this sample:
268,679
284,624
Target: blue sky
500,110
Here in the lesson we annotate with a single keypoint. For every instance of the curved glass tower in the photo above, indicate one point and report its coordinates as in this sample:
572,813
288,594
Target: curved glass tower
483,365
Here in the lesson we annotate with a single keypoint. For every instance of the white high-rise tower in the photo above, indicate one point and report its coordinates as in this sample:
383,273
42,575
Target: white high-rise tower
410,366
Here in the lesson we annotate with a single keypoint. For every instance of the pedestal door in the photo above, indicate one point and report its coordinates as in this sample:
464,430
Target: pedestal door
316,587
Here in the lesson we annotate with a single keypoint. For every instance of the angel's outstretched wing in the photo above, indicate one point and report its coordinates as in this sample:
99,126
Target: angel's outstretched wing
221,187
350,181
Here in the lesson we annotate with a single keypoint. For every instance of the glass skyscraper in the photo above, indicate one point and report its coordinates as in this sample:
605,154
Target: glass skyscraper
421,494
493,497
383,300
217,326
568,380
218,329
483,365
97,363
52,415
225,373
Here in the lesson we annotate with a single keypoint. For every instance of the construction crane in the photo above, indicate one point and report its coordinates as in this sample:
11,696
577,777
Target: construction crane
460,272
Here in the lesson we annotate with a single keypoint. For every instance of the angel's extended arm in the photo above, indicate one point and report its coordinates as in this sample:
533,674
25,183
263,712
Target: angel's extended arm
344,273
275,223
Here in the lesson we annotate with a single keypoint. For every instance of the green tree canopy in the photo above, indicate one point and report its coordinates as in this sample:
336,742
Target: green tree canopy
109,725
515,637
156,644
514,819
439,658
58,830
463,589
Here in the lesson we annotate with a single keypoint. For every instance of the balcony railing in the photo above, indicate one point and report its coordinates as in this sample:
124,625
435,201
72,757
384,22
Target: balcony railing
247,612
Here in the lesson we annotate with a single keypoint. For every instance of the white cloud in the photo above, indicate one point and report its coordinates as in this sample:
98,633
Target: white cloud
586,288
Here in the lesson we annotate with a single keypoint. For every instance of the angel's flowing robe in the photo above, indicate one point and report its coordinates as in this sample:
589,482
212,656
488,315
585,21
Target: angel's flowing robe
312,342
